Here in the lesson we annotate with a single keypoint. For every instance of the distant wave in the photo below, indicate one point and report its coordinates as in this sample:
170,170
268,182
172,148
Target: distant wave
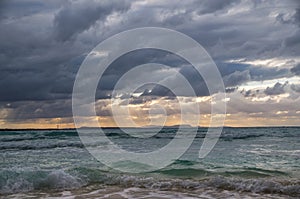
24,146
228,137
41,132
227,134
12,136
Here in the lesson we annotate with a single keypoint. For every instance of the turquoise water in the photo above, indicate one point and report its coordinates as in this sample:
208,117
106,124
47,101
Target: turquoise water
246,162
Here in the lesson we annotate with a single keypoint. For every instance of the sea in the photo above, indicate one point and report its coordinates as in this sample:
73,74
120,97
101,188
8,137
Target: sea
245,163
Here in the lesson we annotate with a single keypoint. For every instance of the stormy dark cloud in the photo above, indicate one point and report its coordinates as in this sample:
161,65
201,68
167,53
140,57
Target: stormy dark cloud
297,16
19,111
159,90
43,44
296,87
296,69
230,89
237,78
76,17
210,6
277,89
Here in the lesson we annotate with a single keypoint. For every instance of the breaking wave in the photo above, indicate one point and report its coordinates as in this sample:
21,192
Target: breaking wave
12,181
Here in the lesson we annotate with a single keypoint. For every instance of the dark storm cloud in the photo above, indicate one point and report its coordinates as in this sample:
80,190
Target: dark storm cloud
210,6
159,90
293,41
44,42
76,17
297,16
264,73
195,79
140,100
248,93
33,65
277,89
296,69
257,73
38,109
296,87
236,78
128,61
230,89
40,80
15,9
233,74
103,109
39,56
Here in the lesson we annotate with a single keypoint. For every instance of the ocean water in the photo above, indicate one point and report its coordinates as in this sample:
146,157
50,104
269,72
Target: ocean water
245,163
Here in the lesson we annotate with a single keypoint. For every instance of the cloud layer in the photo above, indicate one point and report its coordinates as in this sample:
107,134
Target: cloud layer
255,45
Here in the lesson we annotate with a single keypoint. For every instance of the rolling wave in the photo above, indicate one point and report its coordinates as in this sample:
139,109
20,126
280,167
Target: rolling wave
26,146
227,134
25,181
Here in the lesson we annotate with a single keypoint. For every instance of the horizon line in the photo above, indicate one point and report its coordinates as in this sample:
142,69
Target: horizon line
173,126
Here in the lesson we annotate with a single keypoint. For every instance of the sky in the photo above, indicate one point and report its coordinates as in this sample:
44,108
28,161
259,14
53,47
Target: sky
254,43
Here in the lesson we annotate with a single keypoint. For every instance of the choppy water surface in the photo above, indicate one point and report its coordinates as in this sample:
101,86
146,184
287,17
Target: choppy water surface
246,163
